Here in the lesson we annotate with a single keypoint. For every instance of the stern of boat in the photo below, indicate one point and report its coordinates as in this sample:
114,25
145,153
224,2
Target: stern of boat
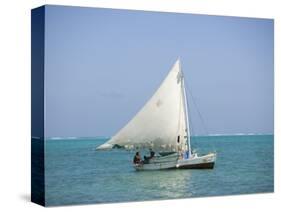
198,162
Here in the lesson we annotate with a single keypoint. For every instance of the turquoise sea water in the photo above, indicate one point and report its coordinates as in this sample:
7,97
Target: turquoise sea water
77,174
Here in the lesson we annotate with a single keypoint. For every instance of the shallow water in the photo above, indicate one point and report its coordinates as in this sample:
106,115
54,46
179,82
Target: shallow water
77,174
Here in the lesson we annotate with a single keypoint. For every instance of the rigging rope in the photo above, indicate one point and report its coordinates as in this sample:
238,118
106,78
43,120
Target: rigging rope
200,116
197,110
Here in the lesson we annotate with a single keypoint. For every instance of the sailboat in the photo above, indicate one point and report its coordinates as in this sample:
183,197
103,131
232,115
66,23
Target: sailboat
162,126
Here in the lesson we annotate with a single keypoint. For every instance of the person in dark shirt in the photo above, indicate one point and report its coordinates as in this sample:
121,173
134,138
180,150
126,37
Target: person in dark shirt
146,159
137,158
152,154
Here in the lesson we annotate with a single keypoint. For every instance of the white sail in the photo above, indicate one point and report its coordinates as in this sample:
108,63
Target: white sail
162,124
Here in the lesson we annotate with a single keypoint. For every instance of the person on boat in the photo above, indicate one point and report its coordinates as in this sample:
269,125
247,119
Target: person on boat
151,154
137,158
147,158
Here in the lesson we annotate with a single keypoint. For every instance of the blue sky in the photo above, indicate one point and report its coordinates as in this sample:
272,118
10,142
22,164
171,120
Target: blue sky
102,65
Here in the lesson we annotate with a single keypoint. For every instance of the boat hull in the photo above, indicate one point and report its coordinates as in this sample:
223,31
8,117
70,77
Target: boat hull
198,166
194,162
158,163
198,162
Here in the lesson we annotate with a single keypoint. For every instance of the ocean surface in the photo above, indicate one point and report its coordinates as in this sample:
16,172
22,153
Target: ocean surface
77,174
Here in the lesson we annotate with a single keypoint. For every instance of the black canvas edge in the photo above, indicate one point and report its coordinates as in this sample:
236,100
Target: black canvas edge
37,106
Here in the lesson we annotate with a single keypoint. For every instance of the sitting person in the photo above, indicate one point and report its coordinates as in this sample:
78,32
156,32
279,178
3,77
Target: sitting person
137,158
151,154
146,159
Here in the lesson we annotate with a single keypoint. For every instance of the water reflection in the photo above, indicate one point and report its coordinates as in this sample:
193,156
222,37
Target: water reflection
165,184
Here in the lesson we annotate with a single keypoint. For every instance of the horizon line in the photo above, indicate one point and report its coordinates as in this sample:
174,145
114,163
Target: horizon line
103,136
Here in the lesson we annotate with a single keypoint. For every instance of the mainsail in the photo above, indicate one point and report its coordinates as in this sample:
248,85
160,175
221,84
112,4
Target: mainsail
162,124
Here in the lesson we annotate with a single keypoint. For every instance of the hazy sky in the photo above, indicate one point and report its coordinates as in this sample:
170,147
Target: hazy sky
102,66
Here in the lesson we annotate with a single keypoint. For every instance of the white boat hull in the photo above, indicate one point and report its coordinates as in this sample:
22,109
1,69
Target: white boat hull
175,162
197,162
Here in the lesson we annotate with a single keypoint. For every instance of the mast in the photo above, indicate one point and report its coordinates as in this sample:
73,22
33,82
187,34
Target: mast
187,130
